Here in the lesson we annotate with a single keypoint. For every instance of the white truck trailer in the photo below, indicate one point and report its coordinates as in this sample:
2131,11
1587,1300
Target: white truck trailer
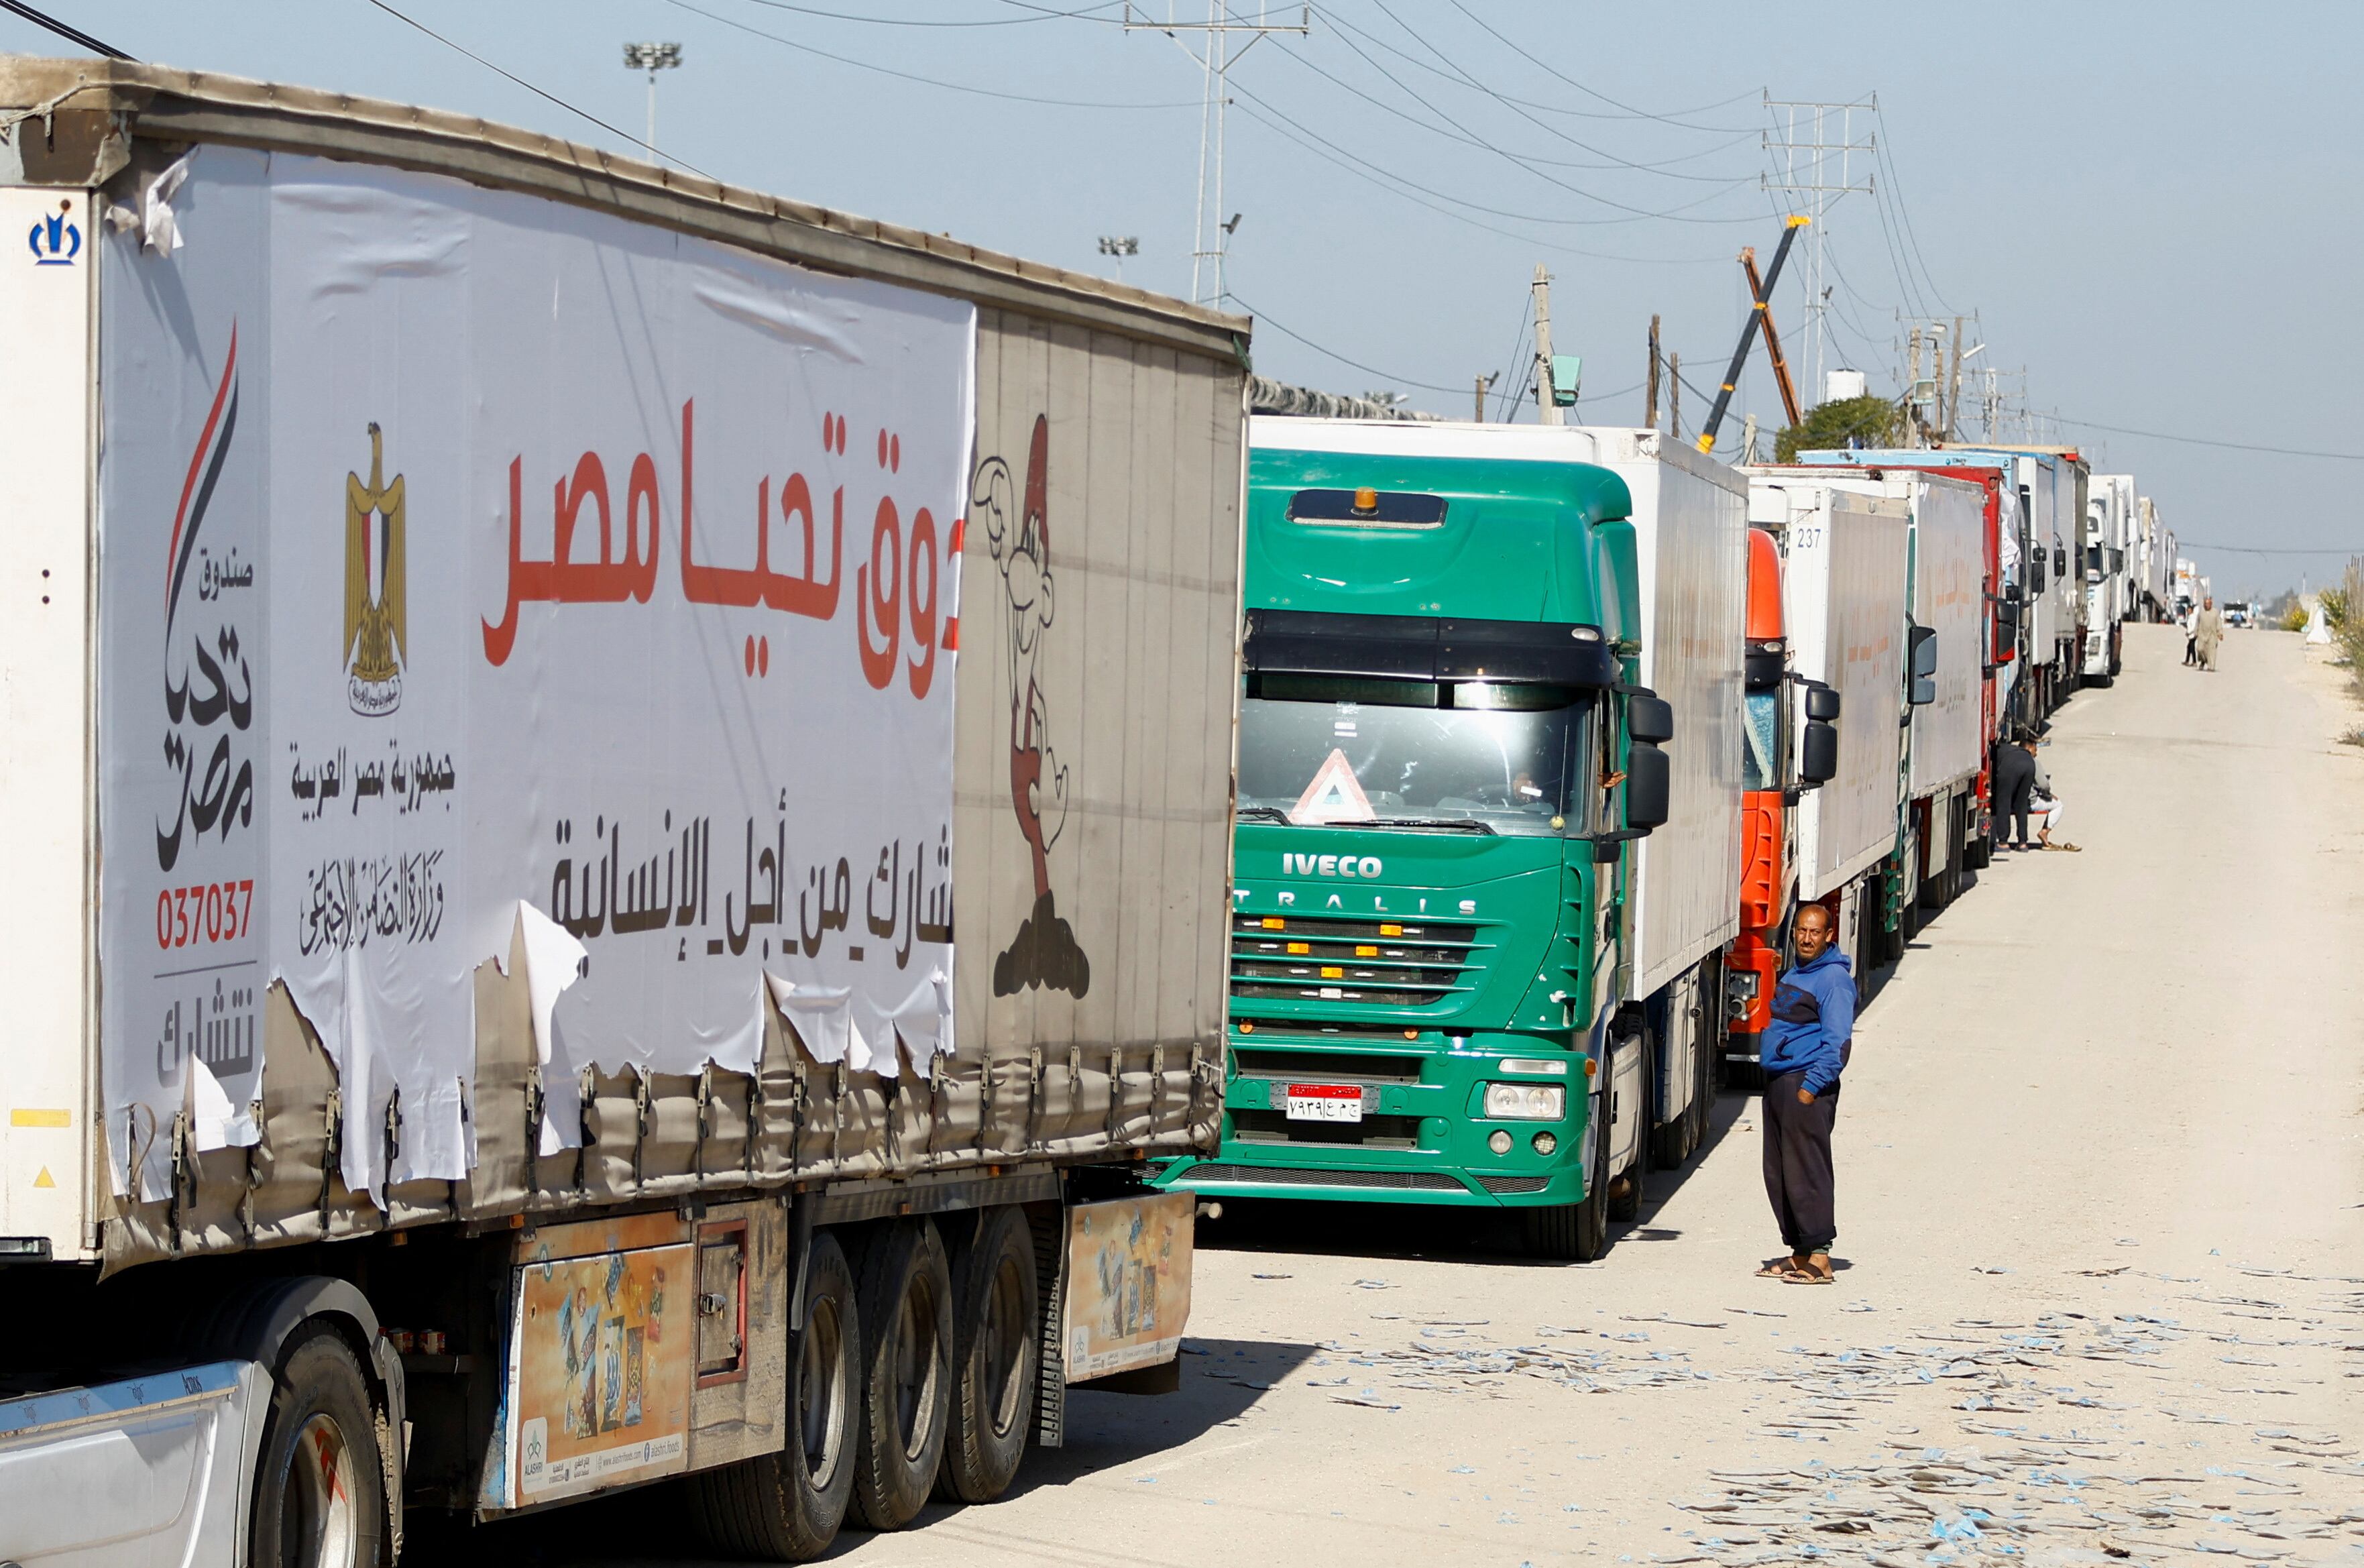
2111,559
1846,594
435,553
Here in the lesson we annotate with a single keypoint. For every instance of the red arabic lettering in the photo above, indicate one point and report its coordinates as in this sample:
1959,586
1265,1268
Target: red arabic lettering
874,594
922,670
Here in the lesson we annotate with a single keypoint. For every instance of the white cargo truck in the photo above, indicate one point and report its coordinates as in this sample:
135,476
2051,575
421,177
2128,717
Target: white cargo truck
1944,592
1846,581
2111,560
620,830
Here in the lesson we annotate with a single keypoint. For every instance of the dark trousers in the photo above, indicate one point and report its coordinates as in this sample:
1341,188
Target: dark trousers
2014,807
1798,1162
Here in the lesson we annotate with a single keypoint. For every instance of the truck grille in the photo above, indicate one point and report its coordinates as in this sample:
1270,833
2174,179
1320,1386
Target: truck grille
1329,1066
1371,1132
1213,1174
1388,964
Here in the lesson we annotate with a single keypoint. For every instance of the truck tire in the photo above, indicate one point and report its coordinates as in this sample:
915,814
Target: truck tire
907,1381
996,1341
787,1507
1577,1232
320,1478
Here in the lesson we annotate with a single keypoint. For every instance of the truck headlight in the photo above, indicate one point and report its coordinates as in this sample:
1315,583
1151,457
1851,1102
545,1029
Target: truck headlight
1525,1101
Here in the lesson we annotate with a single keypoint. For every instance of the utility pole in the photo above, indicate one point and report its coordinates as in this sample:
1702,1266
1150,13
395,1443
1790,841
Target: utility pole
1954,385
1812,150
651,57
1650,399
1211,247
1484,385
1546,405
1749,438
1915,424
1675,395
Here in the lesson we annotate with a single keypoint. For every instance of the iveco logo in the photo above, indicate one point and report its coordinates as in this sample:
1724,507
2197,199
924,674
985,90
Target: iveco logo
1294,864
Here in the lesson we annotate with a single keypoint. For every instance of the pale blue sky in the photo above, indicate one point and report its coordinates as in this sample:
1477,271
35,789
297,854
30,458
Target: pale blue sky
2152,207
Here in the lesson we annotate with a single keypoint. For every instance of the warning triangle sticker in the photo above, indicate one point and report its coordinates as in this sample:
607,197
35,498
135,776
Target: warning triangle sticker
1332,797
44,1179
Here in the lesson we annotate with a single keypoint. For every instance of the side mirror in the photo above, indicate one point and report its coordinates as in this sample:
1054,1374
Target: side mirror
1649,719
1649,787
2006,613
1925,650
1818,762
2060,560
1822,703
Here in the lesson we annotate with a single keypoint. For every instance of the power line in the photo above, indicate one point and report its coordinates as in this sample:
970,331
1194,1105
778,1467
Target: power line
1635,214
2256,549
908,76
537,92
1041,14
72,35
2206,441
1461,78
1265,320
1630,109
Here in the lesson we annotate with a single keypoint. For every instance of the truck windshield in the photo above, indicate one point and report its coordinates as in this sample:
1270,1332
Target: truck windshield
1510,758
1760,763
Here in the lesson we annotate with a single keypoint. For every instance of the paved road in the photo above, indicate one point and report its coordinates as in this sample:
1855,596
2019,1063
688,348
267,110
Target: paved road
2102,1210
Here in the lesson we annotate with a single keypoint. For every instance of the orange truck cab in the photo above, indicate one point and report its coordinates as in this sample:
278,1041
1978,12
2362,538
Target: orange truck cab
1768,875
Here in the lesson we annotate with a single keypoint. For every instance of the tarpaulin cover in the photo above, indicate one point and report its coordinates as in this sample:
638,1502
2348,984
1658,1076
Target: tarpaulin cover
476,567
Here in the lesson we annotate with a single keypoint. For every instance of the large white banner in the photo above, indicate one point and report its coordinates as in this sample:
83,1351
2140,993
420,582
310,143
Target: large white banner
472,559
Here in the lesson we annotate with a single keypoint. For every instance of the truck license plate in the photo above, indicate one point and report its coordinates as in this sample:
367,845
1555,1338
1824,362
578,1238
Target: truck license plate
1324,1102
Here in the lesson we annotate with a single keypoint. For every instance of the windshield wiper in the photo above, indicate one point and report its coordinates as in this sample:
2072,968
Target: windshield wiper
1261,814
1454,824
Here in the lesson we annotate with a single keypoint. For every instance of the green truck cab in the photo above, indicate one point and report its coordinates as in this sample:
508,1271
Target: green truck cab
1446,761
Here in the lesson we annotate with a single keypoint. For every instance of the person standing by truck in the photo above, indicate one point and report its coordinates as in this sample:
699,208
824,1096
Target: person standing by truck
2015,787
1805,1051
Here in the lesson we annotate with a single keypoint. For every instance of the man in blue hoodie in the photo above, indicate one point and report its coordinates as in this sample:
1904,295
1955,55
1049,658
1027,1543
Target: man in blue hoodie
1804,1050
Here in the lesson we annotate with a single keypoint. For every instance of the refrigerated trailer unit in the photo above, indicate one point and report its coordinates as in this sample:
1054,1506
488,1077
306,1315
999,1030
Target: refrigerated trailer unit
621,795
1950,585
2111,559
1845,562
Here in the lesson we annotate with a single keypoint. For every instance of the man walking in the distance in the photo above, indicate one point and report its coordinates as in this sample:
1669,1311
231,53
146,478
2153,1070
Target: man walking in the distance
2207,632
1806,1047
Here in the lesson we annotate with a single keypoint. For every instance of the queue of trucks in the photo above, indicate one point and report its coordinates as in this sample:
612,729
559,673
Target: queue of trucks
415,1109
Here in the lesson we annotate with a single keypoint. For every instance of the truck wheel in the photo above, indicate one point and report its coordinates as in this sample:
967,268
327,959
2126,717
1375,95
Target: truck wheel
1577,1232
787,1507
906,1300
320,1483
995,1343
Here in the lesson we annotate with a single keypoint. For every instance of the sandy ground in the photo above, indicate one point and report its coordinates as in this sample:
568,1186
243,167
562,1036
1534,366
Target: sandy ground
2102,1233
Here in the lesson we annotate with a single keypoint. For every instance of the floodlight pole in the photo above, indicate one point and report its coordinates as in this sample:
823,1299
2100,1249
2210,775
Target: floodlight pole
652,58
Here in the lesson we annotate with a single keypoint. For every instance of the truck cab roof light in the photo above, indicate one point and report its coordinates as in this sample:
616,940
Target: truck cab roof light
1368,507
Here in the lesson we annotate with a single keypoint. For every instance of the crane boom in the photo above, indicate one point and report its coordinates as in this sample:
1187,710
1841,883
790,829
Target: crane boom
1757,290
1759,315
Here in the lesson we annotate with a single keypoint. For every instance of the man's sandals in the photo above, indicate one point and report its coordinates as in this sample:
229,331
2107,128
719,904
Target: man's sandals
1797,1271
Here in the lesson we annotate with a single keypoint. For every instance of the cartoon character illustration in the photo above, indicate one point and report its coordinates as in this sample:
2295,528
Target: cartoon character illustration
1018,531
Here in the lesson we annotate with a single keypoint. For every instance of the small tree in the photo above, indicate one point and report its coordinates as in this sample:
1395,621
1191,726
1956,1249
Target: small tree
1850,421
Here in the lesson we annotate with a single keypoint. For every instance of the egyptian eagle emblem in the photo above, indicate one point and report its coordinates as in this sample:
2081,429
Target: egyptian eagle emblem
376,638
